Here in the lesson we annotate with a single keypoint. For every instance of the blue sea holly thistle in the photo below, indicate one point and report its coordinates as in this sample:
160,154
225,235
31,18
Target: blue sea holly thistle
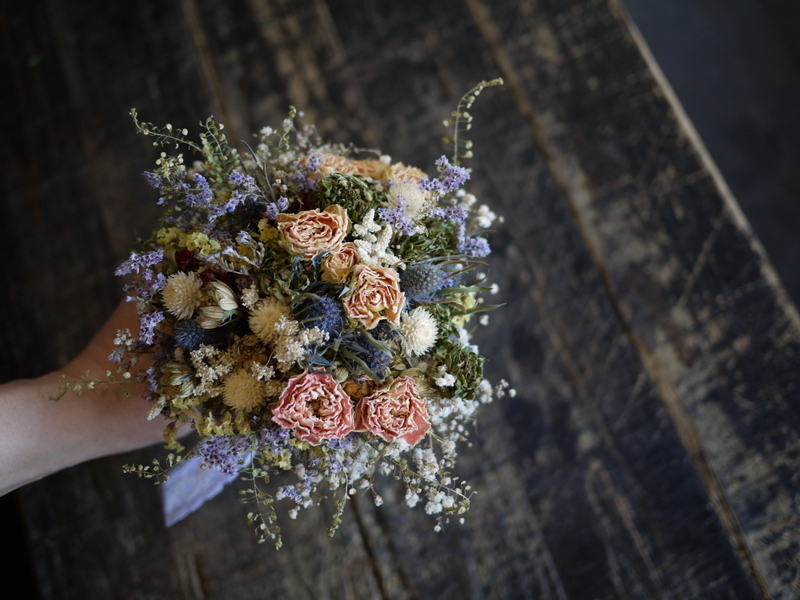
306,309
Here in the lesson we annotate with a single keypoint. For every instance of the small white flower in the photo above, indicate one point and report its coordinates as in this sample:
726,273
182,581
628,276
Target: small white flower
250,297
418,328
484,217
445,379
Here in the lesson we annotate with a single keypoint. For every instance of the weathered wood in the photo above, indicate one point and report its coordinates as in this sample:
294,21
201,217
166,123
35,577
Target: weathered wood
652,446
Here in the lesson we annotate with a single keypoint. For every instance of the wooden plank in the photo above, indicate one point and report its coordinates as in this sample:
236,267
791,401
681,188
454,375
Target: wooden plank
698,298
585,485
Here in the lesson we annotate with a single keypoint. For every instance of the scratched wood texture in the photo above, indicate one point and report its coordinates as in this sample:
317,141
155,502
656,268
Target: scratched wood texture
652,450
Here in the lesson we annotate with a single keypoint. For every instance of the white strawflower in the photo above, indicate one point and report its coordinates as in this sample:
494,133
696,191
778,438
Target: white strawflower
417,200
418,328
182,294
243,391
265,317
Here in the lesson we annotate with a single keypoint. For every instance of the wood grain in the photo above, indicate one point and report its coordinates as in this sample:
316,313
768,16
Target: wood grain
652,448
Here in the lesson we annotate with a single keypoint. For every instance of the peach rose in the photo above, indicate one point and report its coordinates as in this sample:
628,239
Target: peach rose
401,172
310,232
337,266
330,164
315,407
395,413
375,295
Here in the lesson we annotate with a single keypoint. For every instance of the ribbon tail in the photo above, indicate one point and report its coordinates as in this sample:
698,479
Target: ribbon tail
189,487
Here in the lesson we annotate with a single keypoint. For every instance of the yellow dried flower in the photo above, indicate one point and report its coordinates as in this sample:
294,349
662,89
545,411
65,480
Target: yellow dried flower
242,391
265,316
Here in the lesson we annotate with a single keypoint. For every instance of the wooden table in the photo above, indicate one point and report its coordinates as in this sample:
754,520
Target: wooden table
652,450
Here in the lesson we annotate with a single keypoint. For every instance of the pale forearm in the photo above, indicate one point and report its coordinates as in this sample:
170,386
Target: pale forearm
39,436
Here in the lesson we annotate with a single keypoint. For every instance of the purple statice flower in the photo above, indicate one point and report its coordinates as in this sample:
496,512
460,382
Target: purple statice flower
308,483
235,200
397,216
274,439
288,491
152,180
149,284
275,208
339,446
471,246
137,262
161,353
203,195
152,282
313,163
345,443
170,185
243,180
224,453
451,178
151,376
450,213
117,354
147,326
302,171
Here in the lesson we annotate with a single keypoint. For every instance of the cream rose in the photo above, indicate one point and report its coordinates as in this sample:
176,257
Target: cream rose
310,232
315,407
375,295
337,266
395,413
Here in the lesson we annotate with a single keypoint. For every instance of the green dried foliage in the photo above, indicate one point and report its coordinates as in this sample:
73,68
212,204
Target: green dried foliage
465,366
433,243
351,192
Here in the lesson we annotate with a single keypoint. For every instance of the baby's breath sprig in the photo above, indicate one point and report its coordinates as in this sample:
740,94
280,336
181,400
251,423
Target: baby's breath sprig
288,127
264,516
163,135
462,119
87,382
156,471
221,158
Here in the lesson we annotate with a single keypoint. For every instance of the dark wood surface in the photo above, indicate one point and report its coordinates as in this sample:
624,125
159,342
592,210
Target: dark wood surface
735,65
652,450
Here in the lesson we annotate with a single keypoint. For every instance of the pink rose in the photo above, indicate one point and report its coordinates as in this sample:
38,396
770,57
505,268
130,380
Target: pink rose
315,407
336,267
375,295
396,412
310,232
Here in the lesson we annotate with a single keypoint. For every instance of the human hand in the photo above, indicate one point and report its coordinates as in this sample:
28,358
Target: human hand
39,437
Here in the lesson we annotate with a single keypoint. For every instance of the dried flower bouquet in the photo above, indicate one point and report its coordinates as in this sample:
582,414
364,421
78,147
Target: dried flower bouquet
305,312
